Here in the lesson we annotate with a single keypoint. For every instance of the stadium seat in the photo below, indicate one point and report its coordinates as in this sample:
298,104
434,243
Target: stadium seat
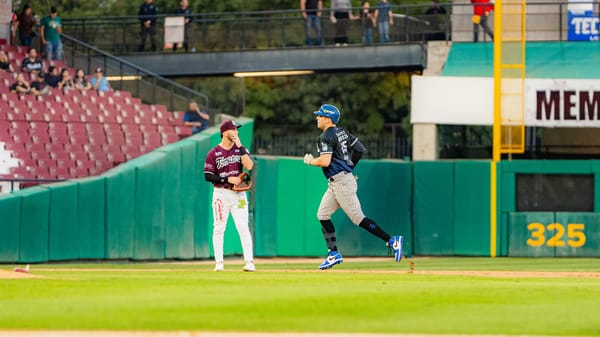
69,147
65,162
78,172
116,157
60,172
54,147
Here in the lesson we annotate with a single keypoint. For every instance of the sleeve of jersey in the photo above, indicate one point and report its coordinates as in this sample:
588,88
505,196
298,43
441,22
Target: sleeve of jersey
356,145
210,164
325,145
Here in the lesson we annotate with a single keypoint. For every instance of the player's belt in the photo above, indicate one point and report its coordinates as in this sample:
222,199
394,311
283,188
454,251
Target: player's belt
337,176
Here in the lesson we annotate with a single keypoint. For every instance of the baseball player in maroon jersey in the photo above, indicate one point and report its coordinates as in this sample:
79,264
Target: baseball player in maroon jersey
339,152
224,163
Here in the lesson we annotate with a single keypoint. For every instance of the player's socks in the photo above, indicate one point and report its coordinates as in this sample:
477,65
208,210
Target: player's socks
329,234
373,228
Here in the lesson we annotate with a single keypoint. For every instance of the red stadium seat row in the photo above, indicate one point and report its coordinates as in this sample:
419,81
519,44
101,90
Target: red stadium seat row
80,134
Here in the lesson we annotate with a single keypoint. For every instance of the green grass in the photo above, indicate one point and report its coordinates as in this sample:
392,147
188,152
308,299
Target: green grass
294,297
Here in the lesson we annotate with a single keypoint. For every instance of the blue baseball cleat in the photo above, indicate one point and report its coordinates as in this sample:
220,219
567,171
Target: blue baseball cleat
332,259
396,244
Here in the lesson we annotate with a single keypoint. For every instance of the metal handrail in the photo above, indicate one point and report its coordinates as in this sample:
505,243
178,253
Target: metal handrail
227,31
132,77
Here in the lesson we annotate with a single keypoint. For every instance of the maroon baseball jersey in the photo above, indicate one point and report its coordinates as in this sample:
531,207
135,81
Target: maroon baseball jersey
224,163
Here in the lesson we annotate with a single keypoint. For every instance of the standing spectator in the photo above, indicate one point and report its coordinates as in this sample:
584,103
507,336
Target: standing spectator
311,11
53,77
196,117
439,22
147,14
339,153
99,82
481,12
25,25
14,23
435,8
66,81
385,18
5,63
341,12
32,63
184,10
222,167
81,82
367,20
50,28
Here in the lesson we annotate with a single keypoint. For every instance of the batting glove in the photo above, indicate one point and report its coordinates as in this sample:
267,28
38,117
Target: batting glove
307,158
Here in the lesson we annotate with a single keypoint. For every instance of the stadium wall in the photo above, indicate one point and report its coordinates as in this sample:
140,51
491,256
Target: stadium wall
158,207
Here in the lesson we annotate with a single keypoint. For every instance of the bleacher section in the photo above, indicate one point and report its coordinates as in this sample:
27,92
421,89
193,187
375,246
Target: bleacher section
74,134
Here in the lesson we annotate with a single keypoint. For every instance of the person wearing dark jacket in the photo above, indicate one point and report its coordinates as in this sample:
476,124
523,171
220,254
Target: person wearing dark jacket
147,14
185,11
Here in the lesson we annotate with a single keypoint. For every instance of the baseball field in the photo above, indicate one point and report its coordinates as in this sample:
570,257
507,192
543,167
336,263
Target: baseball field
419,296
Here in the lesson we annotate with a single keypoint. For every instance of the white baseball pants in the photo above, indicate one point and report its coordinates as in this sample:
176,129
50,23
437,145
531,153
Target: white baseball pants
226,201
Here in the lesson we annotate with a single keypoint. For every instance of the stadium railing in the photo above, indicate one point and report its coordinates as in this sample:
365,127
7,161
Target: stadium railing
150,87
275,29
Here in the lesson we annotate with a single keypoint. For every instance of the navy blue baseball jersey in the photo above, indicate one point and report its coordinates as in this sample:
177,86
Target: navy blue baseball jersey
339,142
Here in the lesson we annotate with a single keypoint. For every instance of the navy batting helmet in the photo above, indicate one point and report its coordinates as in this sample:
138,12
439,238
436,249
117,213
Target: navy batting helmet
328,110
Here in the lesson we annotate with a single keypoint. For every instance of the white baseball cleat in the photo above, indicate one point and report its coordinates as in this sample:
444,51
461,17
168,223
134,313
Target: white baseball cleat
249,266
219,266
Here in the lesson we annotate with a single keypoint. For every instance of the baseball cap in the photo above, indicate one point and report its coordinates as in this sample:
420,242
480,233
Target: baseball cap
98,70
330,111
229,125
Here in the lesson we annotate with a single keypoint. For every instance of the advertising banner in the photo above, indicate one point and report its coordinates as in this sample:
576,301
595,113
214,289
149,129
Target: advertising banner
469,101
583,24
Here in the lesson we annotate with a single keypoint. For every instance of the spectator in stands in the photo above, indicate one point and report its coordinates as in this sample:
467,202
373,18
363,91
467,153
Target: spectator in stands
311,11
184,10
32,63
196,117
51,27
25,25
5,63
66,80
81,82
14,24
481,12
341,12
53,77
385,18
99,82
435,8
438,21
39,84
22,87
147,14
367,20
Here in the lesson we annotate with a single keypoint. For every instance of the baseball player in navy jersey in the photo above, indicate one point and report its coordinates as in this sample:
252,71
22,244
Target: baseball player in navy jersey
224,163
339,152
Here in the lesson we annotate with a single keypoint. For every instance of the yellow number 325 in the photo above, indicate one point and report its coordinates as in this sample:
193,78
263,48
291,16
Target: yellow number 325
576,236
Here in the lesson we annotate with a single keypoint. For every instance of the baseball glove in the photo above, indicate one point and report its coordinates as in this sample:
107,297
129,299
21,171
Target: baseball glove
246,183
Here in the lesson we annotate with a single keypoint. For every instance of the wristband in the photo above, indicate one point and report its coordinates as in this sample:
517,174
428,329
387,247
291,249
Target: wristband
244,150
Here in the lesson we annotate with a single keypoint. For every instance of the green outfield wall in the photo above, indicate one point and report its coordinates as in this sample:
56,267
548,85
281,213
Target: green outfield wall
157,207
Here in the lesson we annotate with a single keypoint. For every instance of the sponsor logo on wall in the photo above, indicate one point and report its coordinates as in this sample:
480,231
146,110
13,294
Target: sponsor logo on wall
583,24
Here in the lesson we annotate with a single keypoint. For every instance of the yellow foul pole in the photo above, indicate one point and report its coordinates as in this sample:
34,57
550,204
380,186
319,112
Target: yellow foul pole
496,143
